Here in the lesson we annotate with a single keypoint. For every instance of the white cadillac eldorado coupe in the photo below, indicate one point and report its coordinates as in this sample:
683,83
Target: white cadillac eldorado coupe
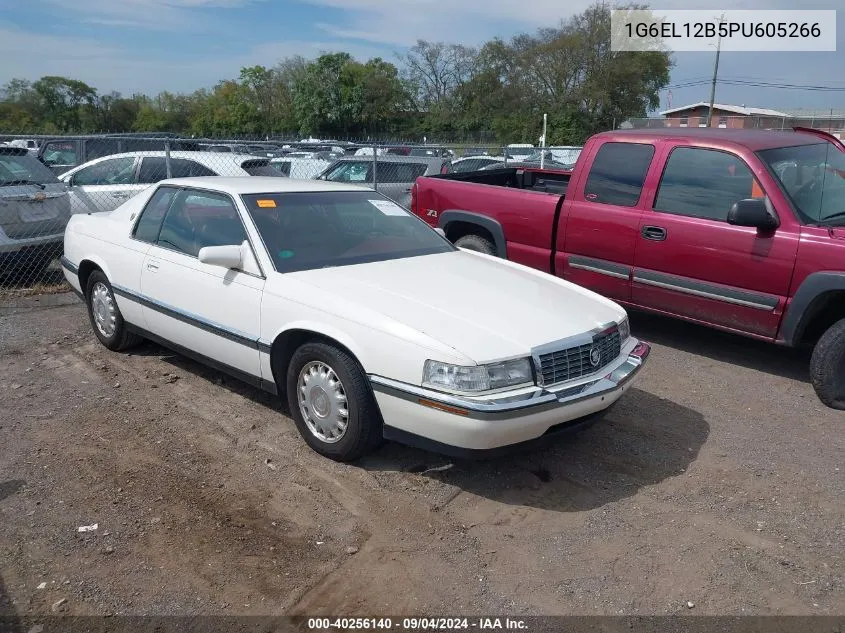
369,322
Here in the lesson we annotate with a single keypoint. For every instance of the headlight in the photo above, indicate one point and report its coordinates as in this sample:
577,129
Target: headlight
478,377
624,329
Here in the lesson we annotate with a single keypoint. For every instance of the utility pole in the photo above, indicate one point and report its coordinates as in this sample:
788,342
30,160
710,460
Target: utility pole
715,74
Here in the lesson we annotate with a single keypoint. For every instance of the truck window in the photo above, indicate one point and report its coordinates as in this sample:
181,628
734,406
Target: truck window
704,183
618,173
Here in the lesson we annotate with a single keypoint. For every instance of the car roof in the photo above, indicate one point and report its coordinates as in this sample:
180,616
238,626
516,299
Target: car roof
208,159
390,158
719,137
239,185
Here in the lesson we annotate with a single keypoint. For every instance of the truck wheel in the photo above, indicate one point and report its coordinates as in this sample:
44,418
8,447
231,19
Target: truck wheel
827,366
331,402
476,243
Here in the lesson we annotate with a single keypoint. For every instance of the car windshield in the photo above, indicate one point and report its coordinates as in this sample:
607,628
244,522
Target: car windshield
813,176
21,169
304,231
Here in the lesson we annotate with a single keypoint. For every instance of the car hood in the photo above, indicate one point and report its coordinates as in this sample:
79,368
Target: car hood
486,308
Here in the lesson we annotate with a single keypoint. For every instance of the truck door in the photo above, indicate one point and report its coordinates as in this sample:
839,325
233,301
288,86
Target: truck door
596,239
691,263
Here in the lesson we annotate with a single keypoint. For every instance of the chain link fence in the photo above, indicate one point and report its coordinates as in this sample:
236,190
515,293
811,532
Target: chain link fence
44,180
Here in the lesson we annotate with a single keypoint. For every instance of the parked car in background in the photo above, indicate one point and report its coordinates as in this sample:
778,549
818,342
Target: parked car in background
369,323
742,230
34,210
223,148
472,163
304,166
29,144
394,175
469,152
65,153
105,183
519,151
558,155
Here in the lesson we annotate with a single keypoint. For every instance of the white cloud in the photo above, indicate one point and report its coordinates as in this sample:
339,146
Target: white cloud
110,68
148,14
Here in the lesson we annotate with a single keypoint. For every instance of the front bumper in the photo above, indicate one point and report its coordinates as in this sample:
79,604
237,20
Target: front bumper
444,422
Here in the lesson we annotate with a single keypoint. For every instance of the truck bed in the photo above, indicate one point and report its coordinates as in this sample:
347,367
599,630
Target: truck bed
537,180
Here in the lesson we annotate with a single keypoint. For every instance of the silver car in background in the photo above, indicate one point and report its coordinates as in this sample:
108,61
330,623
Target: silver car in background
34,210
393,176
105,183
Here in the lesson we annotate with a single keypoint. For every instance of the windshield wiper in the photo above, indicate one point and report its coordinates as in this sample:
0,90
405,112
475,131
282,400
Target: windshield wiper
9,183
824,222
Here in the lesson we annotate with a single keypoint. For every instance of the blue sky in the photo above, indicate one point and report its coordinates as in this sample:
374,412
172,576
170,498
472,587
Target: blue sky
180,45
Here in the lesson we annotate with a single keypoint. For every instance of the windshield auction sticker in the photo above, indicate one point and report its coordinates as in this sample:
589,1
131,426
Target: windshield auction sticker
739,30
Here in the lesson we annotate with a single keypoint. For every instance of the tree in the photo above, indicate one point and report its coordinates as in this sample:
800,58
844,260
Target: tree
62,101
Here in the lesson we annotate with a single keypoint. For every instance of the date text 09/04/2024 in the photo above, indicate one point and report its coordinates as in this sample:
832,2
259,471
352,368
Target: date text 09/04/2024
416,624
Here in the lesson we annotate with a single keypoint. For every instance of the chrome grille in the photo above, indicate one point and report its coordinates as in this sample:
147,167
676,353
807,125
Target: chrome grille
574,362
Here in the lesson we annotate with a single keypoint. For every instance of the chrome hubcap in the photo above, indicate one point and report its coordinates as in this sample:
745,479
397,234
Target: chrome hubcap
103,309
322,402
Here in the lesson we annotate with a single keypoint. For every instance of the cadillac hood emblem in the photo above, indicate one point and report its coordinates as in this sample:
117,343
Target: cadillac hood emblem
595,356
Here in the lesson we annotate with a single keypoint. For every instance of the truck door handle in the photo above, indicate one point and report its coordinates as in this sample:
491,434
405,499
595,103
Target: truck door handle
654,233
152,266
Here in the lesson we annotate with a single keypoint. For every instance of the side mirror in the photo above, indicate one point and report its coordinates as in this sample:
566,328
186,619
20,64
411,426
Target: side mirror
440,232
753,212
229,256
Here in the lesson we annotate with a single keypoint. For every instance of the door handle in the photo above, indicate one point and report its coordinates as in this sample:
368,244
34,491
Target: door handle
654,233
152,266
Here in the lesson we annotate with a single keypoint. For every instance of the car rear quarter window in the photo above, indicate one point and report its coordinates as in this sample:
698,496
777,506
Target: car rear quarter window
704,183
149,224
618,173
154,169
388,172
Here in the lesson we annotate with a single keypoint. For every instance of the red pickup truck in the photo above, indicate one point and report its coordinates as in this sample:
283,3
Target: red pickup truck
742,230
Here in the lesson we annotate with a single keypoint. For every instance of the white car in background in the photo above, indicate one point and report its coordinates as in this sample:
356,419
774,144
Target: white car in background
300,165
518,152
368,321
105,183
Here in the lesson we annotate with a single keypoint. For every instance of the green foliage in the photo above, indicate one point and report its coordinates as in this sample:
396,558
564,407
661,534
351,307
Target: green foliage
439,90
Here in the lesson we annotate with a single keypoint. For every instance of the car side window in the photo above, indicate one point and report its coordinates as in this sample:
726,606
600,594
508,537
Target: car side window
97,148
388,172
352,171
149,223
197,219
60,153
618,173
704,183
115,171
154,169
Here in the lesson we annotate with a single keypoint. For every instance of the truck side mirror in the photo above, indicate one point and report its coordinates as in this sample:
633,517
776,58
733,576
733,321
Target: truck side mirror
754,212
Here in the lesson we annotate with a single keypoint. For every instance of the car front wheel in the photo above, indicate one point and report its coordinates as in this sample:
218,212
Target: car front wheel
331,402
827,366
106,319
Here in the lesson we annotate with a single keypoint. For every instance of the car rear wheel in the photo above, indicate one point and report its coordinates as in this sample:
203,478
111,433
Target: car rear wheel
827,366
331,402
106,320
476,243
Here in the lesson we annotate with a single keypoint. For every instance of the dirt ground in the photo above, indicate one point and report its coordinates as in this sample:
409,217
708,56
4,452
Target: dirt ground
718,482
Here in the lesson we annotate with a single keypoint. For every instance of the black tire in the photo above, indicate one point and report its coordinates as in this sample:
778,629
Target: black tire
476,243
827,366
121,338
363,425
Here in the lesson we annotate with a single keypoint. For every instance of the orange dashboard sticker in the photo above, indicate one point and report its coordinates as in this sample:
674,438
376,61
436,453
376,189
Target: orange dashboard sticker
266,204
